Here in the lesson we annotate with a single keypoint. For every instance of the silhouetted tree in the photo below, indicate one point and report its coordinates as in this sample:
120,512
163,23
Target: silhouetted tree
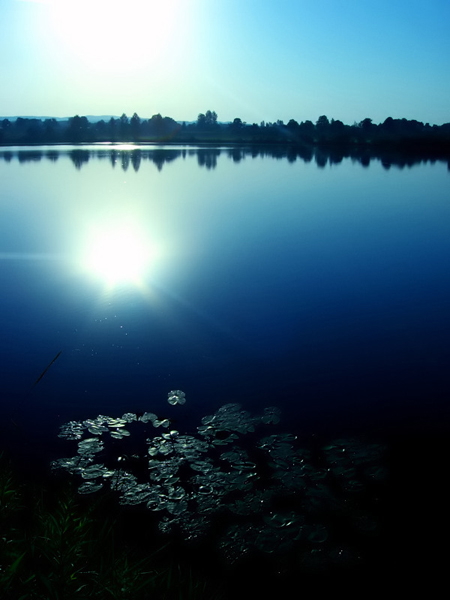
366,124
236,125
201,121
78,129
322,121
156,124
410,137
211,119
207,121
135,125
112,129
124,127
338,132
388,126
101,130
51,130
6,126
34,132
366,129
307,130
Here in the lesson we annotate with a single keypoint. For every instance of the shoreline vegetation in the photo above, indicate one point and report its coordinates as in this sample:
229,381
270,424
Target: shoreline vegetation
399,135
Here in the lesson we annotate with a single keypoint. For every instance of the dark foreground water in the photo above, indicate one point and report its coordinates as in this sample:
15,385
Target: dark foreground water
319,287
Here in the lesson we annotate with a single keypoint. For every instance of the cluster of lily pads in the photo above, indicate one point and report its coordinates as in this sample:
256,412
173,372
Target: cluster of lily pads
266,493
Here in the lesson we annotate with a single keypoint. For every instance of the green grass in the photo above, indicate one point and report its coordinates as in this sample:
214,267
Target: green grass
53,547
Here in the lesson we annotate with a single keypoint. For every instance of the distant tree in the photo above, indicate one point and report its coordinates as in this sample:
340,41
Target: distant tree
339,134
307,130
135,125
366,125
336,124
254,130
210,119
389,125
156,125
78,129
6,124
112,129
170,126
201,121
101,130
34,133
322,123
207,121
237,124
51,130
5,130
124,127
322,129
20,123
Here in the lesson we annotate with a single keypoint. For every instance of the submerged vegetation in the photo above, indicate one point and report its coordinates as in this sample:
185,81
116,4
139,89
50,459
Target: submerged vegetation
393,134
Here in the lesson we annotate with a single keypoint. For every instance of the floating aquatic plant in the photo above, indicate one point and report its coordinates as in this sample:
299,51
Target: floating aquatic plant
223,469
176,397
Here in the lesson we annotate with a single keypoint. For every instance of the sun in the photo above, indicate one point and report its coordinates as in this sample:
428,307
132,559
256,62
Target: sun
113,36
118,254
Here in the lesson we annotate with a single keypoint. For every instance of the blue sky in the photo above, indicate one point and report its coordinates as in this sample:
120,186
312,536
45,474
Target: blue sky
253,59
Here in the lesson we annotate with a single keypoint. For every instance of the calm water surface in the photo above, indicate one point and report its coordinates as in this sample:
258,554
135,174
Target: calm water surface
321,289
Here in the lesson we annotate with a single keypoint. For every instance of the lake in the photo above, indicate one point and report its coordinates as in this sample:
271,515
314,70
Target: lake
316,285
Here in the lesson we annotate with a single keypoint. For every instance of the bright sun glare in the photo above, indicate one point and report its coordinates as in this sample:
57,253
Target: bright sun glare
112,35
118,255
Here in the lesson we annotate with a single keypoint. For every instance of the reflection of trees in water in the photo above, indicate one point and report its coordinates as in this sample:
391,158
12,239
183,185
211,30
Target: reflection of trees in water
113,158
321,159
7,156
236,154
159,157
30,156
125,159
208,157
52,155
79,157
136,159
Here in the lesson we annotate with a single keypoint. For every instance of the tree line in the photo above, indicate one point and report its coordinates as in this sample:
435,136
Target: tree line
401,134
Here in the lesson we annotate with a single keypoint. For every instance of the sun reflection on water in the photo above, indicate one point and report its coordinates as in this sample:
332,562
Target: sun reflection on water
119,254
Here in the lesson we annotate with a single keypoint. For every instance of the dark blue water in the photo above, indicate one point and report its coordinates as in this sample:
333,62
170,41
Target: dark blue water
321,290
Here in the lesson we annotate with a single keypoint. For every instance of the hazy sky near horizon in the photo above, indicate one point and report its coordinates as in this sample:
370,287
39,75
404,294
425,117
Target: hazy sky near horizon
253,59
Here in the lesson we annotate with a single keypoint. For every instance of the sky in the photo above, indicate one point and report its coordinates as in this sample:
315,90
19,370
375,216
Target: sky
253,59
